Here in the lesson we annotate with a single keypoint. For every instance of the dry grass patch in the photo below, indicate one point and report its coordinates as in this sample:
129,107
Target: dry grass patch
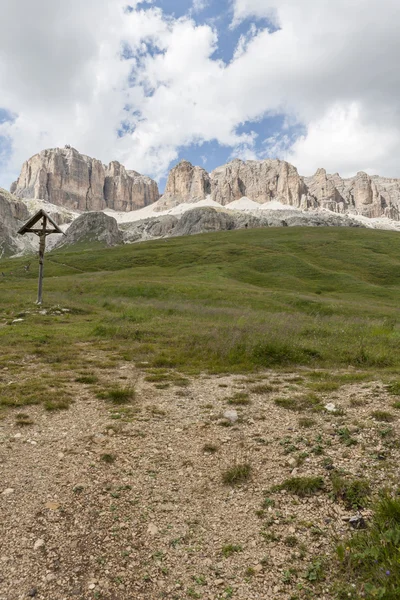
239,473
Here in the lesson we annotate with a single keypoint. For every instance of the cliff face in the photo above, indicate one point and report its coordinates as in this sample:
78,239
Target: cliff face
67,178
13,213
275,180
186,183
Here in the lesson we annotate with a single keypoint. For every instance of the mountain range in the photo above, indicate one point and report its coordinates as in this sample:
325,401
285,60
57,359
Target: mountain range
251,193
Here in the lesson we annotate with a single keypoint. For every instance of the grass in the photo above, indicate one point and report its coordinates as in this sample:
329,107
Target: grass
237,474
303,486
306,422
223,302
239,399
210,448
370,559
118,395
355,493
383,415
300,403
87,379
262,388
230,549
108,458
394,388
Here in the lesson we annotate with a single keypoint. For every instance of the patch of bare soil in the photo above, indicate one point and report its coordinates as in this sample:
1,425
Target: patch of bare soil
134,507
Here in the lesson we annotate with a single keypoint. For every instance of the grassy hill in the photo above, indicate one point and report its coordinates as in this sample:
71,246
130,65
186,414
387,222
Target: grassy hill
231,301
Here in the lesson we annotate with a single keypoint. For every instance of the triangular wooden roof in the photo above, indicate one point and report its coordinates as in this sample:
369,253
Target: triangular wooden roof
33,220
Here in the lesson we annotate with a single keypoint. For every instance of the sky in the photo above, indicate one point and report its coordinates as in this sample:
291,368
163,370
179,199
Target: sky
149,83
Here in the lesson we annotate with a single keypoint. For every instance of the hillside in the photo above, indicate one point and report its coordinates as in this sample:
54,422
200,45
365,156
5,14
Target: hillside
201,417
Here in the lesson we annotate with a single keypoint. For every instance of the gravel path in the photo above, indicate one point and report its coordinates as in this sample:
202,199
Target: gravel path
134,507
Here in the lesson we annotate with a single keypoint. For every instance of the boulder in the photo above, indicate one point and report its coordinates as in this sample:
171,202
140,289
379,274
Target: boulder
92,227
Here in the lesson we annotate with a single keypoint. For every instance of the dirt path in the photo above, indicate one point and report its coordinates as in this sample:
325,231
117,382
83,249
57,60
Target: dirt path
94,506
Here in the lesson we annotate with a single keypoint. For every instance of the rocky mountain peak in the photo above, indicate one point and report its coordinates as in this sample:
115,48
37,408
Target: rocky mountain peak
67,178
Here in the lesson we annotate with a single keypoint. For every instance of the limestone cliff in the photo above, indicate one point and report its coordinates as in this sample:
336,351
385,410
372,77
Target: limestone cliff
276,180
67,178
186,183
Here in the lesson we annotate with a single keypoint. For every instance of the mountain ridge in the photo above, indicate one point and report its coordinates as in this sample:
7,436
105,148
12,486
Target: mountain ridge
75,181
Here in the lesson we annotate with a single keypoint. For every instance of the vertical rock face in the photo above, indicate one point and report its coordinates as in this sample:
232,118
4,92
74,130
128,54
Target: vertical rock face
262,181
13,213
186,183
70,179
127,190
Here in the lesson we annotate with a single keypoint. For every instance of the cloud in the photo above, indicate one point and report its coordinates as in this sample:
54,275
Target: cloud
139,85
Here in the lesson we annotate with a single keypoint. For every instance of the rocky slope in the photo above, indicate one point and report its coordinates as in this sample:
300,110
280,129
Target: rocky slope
67,178
275,180
207,219
13,213
92,227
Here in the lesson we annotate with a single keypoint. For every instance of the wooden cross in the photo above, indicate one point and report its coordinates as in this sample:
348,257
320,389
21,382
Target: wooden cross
42,231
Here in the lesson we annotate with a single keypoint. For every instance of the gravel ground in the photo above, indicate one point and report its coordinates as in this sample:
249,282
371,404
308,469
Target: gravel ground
94,506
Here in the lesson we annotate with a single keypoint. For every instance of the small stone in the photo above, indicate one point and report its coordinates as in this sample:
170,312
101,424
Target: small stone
219,582
32,592
91,586
38,544
358,522
17,436
152,529
231,415
8,492
258,568
50,577
330,407
52,505
18,320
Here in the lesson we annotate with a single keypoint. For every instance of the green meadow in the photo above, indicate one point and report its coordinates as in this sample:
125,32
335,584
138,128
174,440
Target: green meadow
230,301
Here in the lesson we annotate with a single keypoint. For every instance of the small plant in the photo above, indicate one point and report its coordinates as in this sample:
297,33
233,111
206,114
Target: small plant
394,388
345,437
210,448
237,474
239,399
230,549
396,405
87,379
303,486
372,556
22,420
382,415
354,493
288,403
306,422
315,572
53,405
291,541
118,395
268,502
356,402
108,458
263,388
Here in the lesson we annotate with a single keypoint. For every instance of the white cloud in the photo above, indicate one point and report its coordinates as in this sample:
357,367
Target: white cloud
331,67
